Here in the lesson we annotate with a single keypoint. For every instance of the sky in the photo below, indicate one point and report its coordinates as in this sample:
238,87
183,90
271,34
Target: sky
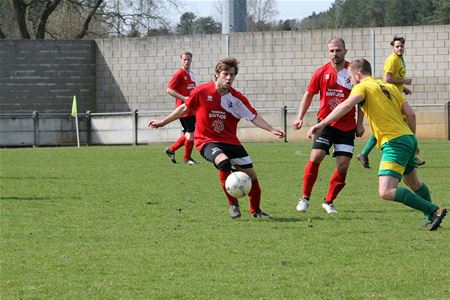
288,9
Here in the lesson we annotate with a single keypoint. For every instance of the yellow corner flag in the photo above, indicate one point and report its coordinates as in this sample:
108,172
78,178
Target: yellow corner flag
74,106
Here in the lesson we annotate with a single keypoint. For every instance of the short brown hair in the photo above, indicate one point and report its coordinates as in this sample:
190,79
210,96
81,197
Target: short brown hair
186,53
361,65
397,38
227,63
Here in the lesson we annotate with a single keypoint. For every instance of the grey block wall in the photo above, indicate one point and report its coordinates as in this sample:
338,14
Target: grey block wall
116,75
45,75
134,73
275,66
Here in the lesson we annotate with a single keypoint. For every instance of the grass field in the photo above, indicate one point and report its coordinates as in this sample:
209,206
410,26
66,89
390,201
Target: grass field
124,223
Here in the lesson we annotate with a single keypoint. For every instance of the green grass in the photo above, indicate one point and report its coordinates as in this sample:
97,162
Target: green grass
125,223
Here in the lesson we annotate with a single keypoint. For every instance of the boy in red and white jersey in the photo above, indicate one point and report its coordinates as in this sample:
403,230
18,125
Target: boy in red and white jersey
218,108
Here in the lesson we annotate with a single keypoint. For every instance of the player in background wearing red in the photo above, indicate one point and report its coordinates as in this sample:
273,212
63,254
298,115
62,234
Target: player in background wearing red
218,108
180,87
334,85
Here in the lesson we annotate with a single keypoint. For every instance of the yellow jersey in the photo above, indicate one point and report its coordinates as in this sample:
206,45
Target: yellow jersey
395,65
382,106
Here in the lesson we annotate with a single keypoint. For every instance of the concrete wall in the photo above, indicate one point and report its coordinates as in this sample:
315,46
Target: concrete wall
275,66
124,75
113,75
131,128
45,75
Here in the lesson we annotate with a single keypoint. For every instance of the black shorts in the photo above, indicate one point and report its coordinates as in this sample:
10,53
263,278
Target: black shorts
188,124
237,154
343,141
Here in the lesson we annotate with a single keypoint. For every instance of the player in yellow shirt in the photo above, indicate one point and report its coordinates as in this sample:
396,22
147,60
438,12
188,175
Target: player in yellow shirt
386,110
395,73
395,68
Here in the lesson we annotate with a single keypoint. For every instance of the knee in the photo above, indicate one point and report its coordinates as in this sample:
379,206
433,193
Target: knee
224,165
386,194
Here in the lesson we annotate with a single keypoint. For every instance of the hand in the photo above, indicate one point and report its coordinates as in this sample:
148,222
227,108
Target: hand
278,132
408,81
360,130
155,124
417,151
297,124
315,129
407,91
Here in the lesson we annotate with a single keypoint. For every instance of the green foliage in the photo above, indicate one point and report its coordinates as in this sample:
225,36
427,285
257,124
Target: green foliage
191,24
125,223
381,13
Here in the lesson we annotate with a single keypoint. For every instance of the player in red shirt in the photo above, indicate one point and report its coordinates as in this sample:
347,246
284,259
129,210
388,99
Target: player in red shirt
180,87
334,85
218,108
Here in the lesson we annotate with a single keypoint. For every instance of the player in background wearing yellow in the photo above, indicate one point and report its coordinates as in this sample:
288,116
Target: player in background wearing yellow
180,87
386,110
394,73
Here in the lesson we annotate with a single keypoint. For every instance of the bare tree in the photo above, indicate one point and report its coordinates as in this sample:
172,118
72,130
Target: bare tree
36,13
36,18
261,13
139,15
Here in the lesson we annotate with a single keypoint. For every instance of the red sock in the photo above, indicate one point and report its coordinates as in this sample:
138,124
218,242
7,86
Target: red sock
309,177
178,144
255,196
223,176
337,183
188,145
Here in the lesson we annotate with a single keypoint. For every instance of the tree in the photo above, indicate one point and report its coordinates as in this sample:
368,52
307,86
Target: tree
36,14
288,24
261,14
34,18
378,13
207,25
440,13
158,31
191,24
187,23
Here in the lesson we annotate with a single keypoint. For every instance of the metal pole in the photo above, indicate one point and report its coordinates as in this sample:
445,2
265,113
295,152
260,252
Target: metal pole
373,54
135,135
227,45
448,120
88,128
36,128
78,132
284,120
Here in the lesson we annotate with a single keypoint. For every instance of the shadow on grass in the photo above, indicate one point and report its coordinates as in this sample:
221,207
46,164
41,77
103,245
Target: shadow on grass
35,198
31,178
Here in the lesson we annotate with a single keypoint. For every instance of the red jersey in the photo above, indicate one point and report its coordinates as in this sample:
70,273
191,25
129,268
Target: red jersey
334,89
217,116
183,83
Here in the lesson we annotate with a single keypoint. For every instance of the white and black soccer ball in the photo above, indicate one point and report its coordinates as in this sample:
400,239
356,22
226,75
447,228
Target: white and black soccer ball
238,184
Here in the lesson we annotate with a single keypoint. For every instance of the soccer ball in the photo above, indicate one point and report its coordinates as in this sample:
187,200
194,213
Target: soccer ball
238,184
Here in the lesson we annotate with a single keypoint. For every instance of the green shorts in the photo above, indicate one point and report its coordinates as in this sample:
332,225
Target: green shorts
397,158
